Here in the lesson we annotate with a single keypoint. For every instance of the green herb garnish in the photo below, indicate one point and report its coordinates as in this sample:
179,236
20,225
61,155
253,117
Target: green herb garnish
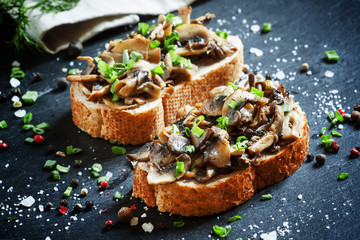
3,124
327,140
339,116
27,127
266,197
30,97
16,72
118,150
286,108
175,129
62,169
232,104
157,70
343,176
135,55
335,133
73,71
178,224
233,86
97,167
234,218
55,174
103,178
27,118
188,132
175,20
94,174
178,60
180,167
322,131
240,143
143,28
221,231
258,93
49,164
71,150
223,122
118,195
197,131
190,149
43,125
38,130
222,34
155,43
266,27
332,55
29,140
68,191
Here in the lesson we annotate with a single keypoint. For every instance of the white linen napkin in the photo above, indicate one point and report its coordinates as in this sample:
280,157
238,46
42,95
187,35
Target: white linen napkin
56,30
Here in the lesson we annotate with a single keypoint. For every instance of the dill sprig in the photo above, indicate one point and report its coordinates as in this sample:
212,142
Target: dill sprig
18,10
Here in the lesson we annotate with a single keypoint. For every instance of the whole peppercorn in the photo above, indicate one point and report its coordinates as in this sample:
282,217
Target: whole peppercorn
305,66
334,147
354,153
346,117
3,97
38,138
108,224
268,76
78,207
37,77
74,182
104,185
49,205
89,205
125,214
310,157
3,145
355,117
320,159
62,84
161,225
16,91
84,192
245,68
357,107
50,149
75,49
64,202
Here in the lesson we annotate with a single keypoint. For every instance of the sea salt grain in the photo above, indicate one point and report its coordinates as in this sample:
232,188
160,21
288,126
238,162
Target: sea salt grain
256,51
20,113
269,236
255,28
14,82
148,227
28,202
280,75
329,74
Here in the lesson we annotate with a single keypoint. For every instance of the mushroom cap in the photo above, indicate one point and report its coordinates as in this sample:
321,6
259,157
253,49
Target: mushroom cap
196,37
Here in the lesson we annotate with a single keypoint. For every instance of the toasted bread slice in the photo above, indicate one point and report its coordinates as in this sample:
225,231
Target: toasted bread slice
141,123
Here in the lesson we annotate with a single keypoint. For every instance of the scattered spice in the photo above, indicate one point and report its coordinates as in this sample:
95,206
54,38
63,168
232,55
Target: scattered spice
64,202
357,107
246,68
78,163
78,208
125,214
347,117
49,205
354,152
62,84
109,224
134,221
63,210
60,154
16,92
320,159
75,49
89,205
50,148
38,138
305,66
310,157
132,207
355,117
334,147
104,185
74,182
38,77
84,192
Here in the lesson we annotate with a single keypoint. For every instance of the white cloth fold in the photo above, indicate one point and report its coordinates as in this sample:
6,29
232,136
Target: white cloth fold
89,17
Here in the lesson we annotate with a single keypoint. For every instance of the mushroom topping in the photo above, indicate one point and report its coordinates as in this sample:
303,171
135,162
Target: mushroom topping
214,105
177,143
277,121
198,141
263,143
150,88
183,111
195,38
203,20
168,173
204,176
218,152
98,93
161,155
291,126
90,66
277,97
168,67
182,74
142,155
184,13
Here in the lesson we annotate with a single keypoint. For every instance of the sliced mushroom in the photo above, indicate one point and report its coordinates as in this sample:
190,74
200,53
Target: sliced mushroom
204,176
291,126
236,96
96,94
264,142
277,121
204,20
195,38
214,105
90,66
235,151
164,134
277,97
138,44
168,67
161,155
184,13
177,143
217,152
182,74
142,155
154,55
260,117
84,89
198,141
247,113
183,111
150,88
166,174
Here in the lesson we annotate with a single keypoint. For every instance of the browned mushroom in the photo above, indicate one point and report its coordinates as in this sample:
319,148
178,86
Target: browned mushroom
161,155
168,67
98,93
150,88
195,38
198,141
204,176
264,142
214,105
142,155
184,14
177,143
217,152
203,20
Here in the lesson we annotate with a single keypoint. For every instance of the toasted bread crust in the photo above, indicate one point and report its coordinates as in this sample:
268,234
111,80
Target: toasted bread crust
122,126
190,198
137,127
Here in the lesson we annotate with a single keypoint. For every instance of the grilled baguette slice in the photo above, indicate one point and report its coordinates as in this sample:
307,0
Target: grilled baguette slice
140,124
190,198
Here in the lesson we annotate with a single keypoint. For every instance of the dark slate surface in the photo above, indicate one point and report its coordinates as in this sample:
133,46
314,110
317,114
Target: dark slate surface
329,208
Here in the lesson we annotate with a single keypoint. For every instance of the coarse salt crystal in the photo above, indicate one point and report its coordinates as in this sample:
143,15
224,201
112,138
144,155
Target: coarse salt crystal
14,82
20,113
255,28
329,74
299,197
269,236
15,99
28,202
143,215
256,51
148,227
280,75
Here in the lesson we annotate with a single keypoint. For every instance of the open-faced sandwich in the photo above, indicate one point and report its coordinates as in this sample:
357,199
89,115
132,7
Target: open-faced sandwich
136,85
246,136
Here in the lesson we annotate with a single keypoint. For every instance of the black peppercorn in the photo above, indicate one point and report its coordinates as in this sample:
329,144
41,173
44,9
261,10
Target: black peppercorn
3,97
346,117
310,157
62,83
75,48
357,107
64,203
37,77
320,159
74,182
50,149
89,205
16,91
268,76
49,205
78,207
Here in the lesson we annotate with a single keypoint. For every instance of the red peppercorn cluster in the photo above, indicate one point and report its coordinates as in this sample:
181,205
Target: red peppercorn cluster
335,147
104,185
3,145
354,153
38,138
109,224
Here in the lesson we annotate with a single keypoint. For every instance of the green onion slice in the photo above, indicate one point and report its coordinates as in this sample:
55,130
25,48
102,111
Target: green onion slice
68,191
3,124
267,27
178,224
266,197
103,178
118,150
197,131
62,169
343,176
97,167
335,133
323,129
190,149
73,71
16,72
55,174
199,119
94,174
332,55
222,231
222,34
155,43
71,150
29,140
327,140
30,97
223,122
286,108
27,127
49,164
232,104
339,116
180,167
233,86
175,129
188,132
118,195
178,60
143,28
241,143
157,70
234,218
258,93
27,118
38,130
43,125
331,115
134,55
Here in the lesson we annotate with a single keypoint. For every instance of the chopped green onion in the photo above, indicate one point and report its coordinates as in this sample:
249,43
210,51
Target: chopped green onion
197,131
94,174
192,166
234,218
29,140
198,120
190,149
118,150
222,231
43,125
106,71
125,57
332,55
233,86
103,178
162,65
55,174
38,130
30,97
130,64
258,93
27,127
157,70
143,28
49,164
27,118
135,55
343,176
68,191
180,167
266,197
327,140
334,121
62,169
286,108
97,167
232,104
16,72
73,71
3,124
11,218
267,27
152,27
323,129
118,195
112,90
178,224
178,60
339,116
175,129
240,143
218,96
71,150
188,132
175,20
223,122
154,44
222,34
335,133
